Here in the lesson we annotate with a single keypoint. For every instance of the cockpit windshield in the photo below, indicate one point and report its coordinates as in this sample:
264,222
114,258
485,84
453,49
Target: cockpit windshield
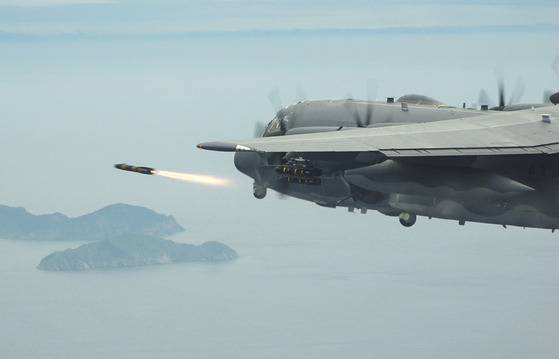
277,126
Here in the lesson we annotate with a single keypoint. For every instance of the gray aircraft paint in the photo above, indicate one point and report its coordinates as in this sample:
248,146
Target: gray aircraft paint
413,157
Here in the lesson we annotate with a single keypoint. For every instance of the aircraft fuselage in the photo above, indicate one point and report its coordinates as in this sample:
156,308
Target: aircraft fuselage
502,189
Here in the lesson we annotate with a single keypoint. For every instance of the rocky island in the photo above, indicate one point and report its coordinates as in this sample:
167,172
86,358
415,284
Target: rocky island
119,235
108,222
134,250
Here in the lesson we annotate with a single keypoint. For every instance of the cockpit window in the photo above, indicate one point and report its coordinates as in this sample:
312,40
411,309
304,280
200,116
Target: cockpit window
273,126
277,126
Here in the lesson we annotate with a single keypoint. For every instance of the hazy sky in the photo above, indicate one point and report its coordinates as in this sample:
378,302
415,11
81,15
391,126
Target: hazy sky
109,17
86,84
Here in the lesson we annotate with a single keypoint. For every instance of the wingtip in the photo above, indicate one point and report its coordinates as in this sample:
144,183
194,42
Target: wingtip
225,147
218,146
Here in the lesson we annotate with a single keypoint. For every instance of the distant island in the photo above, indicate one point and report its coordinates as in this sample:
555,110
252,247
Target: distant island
120,235
134,250
108,222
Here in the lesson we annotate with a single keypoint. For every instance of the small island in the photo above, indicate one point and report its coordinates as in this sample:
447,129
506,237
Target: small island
108,222
119,235
134,250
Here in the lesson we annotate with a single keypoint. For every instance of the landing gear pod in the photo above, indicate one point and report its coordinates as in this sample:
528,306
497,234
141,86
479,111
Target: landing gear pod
259,191
407,219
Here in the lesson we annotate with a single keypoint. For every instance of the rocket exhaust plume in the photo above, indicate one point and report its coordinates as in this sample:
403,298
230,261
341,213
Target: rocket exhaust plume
188,177
196,178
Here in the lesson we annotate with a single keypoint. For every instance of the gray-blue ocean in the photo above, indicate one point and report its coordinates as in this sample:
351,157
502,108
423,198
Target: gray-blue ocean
298,295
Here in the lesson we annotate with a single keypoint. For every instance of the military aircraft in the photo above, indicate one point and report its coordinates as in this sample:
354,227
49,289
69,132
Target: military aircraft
411,157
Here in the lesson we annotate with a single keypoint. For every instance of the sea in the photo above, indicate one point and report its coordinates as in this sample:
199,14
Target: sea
294,295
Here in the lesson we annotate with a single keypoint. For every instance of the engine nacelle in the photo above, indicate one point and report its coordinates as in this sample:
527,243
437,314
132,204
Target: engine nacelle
438,181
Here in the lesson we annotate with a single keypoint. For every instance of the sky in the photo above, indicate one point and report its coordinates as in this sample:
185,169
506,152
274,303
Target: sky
133,17
87,84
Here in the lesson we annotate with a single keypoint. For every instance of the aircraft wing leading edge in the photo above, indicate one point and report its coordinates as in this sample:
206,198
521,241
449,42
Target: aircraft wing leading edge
532,131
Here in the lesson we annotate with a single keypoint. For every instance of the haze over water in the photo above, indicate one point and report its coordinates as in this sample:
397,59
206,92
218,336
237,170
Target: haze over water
83,92
295,296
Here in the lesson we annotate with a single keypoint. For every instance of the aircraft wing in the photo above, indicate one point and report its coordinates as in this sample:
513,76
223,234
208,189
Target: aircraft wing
532,131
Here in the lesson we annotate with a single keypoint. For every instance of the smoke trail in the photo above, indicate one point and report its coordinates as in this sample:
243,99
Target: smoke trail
196,178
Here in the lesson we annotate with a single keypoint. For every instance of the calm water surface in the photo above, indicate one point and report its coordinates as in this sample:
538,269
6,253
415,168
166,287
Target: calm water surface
295,296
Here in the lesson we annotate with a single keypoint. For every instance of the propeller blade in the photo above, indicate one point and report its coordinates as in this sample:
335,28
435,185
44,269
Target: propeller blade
368,115
350,105
554,97
555,66
371,96
301,94
518,91
259,128
547,96
275,99
499,73
363,120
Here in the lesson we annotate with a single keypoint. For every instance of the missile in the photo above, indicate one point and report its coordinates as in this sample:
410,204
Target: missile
143,170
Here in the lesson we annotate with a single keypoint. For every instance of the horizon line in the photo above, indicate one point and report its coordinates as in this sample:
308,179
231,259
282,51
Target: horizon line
412,30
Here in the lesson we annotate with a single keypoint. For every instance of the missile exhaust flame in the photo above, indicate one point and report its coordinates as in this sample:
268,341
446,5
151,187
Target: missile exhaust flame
197,178
207,180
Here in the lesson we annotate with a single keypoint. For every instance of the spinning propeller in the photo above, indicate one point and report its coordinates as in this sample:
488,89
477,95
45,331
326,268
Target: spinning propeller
548,95
517,93
366,119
